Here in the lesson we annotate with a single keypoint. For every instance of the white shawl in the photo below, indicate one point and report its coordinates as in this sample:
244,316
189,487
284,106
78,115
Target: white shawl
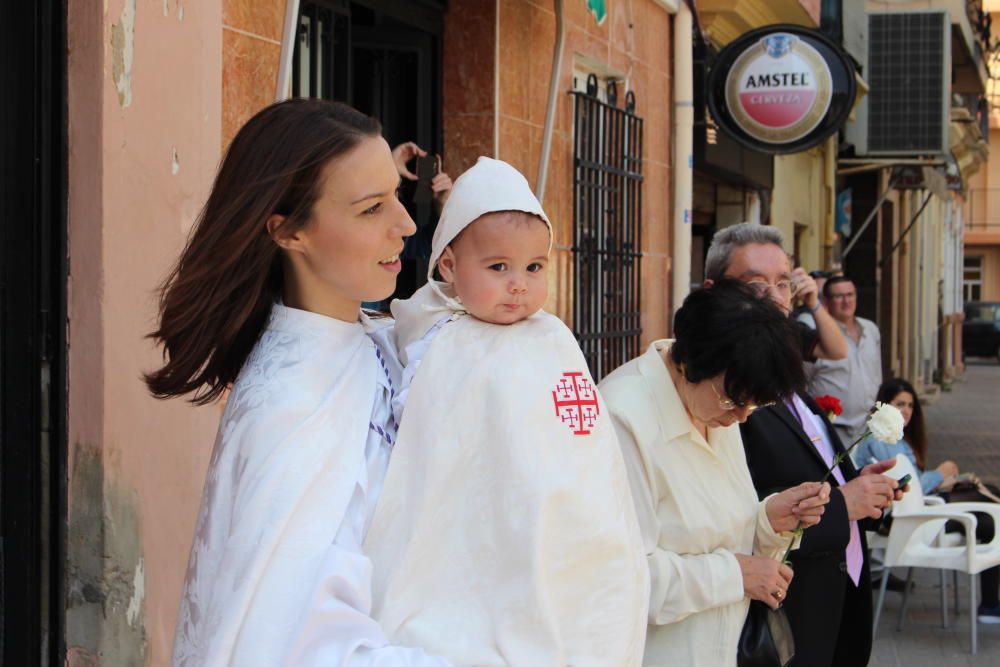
505,533
283,469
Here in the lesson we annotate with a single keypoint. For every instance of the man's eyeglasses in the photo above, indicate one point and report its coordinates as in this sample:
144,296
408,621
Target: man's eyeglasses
847,296
729,404
782,287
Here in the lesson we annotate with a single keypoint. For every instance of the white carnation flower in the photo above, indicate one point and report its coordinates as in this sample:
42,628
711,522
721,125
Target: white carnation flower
886,424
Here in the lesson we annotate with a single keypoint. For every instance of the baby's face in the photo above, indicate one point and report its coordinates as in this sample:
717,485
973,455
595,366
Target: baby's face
498,266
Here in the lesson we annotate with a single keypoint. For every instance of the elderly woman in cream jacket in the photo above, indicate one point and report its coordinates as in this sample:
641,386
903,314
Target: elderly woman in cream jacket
710,544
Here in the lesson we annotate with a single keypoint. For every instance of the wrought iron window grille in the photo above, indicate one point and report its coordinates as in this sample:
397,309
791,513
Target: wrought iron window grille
607,225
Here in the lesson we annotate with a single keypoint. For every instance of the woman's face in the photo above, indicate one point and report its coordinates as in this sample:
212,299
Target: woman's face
348,251
904,402
707,402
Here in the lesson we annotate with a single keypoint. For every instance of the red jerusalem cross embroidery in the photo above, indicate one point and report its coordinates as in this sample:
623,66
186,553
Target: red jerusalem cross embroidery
576,403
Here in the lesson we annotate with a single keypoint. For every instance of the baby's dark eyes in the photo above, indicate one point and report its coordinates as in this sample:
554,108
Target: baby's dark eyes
499,266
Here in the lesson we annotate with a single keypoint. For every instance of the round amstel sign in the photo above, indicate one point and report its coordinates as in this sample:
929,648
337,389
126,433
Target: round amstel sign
779,89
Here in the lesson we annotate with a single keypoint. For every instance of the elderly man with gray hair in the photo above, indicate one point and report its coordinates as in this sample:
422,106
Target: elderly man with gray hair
829,602
754,254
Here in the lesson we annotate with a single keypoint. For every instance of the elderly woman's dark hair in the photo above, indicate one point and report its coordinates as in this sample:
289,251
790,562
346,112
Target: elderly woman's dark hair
727,328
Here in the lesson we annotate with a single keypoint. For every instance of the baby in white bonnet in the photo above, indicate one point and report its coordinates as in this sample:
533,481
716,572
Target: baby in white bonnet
505,533
491,252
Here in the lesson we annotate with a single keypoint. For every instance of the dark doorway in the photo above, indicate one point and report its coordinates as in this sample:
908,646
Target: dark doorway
862,264
873,278
383,58
32,339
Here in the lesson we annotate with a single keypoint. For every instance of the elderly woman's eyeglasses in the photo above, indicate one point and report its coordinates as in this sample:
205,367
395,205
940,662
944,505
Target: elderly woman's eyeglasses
729,404
781,288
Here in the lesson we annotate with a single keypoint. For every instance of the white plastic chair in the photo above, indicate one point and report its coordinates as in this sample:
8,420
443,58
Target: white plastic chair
915,498
917,539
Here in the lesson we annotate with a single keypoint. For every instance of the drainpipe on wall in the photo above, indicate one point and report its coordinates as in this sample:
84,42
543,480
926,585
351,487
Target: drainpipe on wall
683,157
496,80
829,235
287,50
550,112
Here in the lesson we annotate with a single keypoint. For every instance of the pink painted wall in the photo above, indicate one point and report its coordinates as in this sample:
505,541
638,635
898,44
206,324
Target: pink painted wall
144,136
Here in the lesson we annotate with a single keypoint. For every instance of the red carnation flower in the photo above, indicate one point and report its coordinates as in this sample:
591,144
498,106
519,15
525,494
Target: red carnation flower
830,405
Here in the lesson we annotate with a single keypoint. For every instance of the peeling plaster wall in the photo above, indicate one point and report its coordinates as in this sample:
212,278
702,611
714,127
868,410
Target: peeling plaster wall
145,81
123,52
105,573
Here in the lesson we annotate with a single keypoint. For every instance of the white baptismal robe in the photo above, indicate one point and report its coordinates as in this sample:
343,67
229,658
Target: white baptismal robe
277,575
505,534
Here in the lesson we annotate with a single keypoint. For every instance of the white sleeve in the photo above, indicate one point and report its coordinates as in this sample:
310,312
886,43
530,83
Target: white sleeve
337,629
680,584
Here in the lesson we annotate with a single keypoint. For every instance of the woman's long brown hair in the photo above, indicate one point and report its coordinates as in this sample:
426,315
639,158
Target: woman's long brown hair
915,432
216,301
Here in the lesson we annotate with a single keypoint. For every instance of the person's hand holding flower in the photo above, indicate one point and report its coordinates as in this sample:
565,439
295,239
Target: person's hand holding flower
801,505
871,491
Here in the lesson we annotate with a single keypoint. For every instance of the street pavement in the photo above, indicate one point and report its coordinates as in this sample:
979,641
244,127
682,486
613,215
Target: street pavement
963,425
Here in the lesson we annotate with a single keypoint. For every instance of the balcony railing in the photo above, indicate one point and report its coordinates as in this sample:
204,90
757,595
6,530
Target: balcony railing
982,210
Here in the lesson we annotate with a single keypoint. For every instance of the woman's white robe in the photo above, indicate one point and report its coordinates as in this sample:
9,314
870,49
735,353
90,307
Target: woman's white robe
276,575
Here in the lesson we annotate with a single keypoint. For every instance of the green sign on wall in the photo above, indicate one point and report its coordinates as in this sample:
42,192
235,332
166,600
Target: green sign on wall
599,9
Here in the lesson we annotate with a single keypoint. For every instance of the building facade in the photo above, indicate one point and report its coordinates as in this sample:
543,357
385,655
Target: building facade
155,93
981,262
599,103
911,156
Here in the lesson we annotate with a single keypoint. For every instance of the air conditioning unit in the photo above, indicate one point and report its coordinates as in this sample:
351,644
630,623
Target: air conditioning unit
908,71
